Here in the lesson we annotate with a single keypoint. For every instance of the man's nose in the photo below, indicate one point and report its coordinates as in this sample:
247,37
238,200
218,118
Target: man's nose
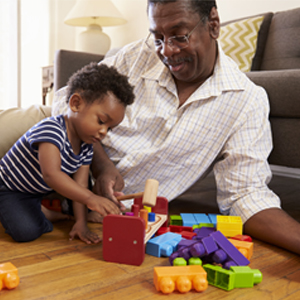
167,50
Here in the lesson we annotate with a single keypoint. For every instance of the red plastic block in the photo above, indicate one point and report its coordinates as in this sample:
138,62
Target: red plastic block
123,239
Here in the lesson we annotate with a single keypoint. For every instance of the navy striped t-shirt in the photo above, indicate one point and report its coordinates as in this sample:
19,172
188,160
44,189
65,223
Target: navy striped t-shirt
20,169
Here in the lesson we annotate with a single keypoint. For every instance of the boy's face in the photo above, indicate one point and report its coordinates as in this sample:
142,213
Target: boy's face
93,121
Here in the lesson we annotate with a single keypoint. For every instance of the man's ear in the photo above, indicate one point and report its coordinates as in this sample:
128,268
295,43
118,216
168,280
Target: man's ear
214,23
75,102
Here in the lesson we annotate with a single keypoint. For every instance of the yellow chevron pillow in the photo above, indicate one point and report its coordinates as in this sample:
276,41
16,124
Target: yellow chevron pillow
239,39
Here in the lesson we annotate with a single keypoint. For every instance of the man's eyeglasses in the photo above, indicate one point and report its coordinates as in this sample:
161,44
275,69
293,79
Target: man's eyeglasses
174,42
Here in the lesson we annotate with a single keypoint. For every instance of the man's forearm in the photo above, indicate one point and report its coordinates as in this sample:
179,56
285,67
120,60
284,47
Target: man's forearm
100,160
276,227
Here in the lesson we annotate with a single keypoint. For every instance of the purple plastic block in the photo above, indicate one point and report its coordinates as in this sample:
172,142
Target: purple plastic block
209,245
197,249
230,250
185,243
228,264
185,253
173,256
129,213
219,256
203,232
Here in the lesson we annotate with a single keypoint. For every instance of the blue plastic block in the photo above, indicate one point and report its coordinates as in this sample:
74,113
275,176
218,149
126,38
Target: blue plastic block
163,245
201,218
188,220
213,219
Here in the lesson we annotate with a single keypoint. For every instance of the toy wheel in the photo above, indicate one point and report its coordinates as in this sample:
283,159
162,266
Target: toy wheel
200,283
166,285
11,280
183,284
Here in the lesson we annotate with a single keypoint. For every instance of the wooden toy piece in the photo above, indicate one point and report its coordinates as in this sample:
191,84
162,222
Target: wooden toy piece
182,278
144,215
9,277
150,192
130,196
160,219
123,239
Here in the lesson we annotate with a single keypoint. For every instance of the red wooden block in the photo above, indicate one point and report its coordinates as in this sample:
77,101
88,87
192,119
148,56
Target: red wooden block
123,239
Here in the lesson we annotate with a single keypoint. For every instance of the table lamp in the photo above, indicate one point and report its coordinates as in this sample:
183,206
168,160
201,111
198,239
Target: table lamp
94,14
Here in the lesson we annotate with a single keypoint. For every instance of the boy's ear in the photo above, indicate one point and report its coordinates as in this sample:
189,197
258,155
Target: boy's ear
75,102
214,23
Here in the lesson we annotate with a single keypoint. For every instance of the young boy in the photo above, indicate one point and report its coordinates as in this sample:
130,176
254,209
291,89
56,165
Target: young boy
55,154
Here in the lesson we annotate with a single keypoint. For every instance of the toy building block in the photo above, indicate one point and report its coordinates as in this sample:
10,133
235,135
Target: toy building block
179,261
201,218
162,230
175,220
236,277
213,219
233,253
163,245
188,235
219,277
178,228
230,225
9,277
195,261
246,248
242,237
246,277
203,232
188,220
52,204
182,278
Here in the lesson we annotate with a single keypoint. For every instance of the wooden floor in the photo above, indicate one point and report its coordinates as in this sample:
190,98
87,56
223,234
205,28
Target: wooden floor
53,267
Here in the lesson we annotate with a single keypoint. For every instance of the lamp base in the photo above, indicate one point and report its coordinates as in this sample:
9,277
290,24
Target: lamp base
93,40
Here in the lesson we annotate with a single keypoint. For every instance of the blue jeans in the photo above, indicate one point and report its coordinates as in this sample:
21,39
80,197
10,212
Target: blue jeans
21,215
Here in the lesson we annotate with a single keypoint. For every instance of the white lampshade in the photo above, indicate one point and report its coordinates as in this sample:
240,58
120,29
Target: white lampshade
94,14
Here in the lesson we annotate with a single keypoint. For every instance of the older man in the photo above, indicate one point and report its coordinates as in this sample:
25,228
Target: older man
194,111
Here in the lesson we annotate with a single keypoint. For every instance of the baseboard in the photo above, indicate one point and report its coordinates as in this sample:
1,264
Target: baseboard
285,171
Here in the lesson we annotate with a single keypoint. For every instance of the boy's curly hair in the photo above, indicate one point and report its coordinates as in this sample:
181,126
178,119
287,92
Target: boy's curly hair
94,81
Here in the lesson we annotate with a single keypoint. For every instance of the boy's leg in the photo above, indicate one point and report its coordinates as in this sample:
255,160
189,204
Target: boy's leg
21,215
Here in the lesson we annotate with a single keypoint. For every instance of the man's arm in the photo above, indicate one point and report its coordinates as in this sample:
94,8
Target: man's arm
276,227
108,180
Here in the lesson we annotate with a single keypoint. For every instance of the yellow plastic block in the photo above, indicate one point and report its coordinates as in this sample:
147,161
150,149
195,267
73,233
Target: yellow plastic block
229,225
181,278
246,248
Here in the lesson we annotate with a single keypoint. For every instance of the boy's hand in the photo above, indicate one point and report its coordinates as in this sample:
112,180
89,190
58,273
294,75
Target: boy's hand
81,231
103,206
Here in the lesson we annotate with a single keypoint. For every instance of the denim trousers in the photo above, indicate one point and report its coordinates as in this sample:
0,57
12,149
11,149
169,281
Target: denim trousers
21,215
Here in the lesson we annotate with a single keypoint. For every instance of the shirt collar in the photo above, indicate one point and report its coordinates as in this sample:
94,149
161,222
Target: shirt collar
226,76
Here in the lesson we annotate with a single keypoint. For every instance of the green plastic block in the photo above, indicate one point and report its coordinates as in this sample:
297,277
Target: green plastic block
205,225
219,277
195,261
179,261
175,220
245,277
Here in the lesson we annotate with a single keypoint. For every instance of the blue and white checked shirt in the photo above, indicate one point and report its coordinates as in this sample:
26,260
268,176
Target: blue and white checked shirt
223,125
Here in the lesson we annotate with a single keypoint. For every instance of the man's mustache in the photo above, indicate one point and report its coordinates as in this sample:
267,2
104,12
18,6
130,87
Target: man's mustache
169,61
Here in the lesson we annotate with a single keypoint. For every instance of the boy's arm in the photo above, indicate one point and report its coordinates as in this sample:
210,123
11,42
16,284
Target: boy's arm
80,227
50,162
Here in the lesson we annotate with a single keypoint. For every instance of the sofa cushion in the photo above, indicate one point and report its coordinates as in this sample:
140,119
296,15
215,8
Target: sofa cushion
15,122
282,46
239,39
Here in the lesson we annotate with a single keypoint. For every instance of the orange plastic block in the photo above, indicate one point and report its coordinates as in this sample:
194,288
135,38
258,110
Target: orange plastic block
229,225
181,278
9,277
246,248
